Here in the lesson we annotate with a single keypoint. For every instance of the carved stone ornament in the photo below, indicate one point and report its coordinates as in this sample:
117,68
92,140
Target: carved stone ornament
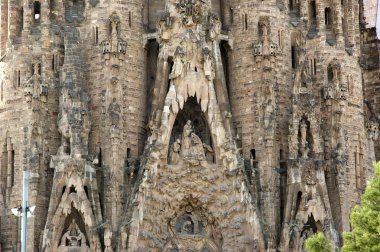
372,129
34,87
115,44
265,47
192,10
73,240
190,147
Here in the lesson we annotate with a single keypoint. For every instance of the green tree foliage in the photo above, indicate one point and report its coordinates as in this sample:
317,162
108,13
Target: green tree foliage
365,220
318,243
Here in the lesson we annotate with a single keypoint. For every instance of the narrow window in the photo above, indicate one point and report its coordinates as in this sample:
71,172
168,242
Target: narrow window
13,168
100,157
37,11
280,38
129,154
19,78
282,157
53,63
245,22
130,19
21,20
294,64
96,35
253,154
231,16
313,11
328,17
1,91
39,69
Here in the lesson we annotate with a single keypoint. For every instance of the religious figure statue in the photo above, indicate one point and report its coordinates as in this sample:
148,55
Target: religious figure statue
175,148
186,143
304,145
73,239
178,63
114,110
192,148
207,63
108,239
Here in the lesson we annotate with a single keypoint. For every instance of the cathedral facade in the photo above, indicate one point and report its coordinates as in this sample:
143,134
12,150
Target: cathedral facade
185,125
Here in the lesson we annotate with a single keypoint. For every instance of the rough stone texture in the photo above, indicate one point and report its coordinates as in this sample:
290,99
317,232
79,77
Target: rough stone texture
185,125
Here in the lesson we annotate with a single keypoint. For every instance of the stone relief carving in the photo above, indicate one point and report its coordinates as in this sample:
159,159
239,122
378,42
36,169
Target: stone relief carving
114,111
191,30
372,128
304,144
336,88
190,147
115,44
265,47
74,126
73,240
34,87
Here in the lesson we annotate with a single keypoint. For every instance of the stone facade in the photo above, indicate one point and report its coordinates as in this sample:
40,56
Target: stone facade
185,125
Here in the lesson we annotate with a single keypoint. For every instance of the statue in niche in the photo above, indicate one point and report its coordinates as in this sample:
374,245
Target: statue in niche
108,239
178,63
164,26
124,238
191,10
372,128
114,20
229,157
215,27
265,39
265,47
34,88
175,149
328,92
309,175
207,63
186,143
114,111
189,224
73,240
304,145
191,145
114,44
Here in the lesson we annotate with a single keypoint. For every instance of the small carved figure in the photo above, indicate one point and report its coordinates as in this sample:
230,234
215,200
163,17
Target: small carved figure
373,129
178,63
186,143
108,239
207,63
192,148
74,238
304,145
114,110
328,92
124,238
215,27
175,148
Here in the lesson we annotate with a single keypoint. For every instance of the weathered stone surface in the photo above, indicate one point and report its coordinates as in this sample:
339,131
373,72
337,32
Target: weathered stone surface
185,125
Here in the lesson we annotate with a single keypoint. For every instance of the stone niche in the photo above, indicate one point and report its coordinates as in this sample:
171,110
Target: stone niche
191,137
192,230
